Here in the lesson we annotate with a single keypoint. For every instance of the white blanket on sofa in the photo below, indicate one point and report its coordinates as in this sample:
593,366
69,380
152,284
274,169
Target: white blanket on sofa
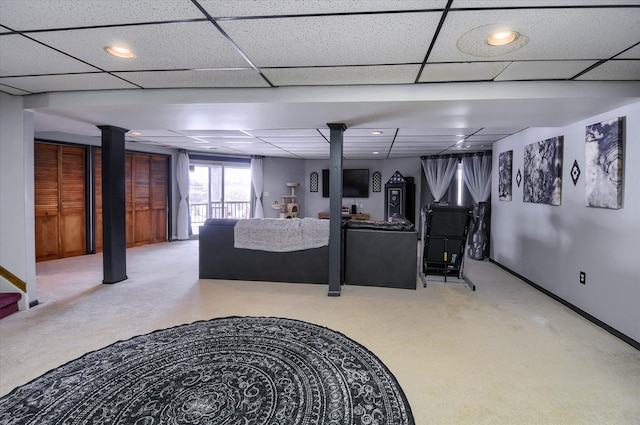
281,234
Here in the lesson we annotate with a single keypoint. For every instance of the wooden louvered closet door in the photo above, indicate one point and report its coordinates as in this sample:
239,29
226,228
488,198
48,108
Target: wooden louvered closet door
146,199
46,202
159,198
141,171
60,201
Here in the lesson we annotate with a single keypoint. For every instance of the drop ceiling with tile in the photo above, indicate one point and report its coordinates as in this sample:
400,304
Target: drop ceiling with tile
264,77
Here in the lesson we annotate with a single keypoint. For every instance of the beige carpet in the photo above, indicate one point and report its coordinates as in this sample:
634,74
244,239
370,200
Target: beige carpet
505,354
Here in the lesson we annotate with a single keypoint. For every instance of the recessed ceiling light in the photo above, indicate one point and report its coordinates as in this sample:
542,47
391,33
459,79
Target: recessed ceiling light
376,133
376,152
120,51
501,38
136,133
491,40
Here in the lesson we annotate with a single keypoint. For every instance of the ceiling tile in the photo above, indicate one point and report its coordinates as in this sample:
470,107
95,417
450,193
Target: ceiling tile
204,78
543,70
285,132
66,82
155,133
500,131
189,45
363,132
413,145
469,71
406,154
163,139
369,139
458,4
479,143
436,131
214,133
295,140
418,149
428,139
12,90
614,70
70,14
552,33
345,40
348,75
39,60
633,53
226,8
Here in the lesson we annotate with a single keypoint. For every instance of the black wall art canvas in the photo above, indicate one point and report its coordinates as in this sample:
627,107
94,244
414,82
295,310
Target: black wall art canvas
505,172
543,172
603,174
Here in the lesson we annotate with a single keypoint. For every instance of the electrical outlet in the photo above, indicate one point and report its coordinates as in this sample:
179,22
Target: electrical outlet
583,278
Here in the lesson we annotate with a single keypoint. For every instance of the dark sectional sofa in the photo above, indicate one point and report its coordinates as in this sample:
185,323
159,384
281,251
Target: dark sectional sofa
374,254
219,259
381,257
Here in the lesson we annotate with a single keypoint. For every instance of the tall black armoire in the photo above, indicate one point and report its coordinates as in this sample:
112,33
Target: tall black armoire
399,197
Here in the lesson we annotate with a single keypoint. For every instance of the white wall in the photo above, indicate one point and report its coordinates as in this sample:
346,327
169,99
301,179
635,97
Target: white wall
550,245
17,244
17,234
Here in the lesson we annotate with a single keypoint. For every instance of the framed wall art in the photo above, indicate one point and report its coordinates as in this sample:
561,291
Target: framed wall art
542,180
313,182
505,173
377,181
603,165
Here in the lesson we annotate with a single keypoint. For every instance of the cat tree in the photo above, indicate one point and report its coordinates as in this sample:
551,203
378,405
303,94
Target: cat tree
288,207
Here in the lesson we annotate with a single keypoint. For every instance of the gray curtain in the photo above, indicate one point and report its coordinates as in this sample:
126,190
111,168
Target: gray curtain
477,176
182,176
438,172
257,175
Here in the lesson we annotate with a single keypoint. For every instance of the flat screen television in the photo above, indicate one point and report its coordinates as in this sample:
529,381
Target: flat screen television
355,183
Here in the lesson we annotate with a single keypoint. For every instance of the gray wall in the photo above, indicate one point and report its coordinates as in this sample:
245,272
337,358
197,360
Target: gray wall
277,173
550,245
374,204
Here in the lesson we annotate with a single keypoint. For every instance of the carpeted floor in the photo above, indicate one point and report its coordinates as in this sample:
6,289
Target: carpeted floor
504,354
231,371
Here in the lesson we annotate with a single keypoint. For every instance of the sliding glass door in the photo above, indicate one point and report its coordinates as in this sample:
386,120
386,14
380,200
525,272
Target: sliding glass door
219,191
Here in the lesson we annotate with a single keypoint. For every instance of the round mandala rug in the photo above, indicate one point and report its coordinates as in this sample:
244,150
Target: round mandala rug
231,371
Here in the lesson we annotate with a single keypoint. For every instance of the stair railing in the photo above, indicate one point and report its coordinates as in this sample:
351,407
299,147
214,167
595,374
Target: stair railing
13,279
